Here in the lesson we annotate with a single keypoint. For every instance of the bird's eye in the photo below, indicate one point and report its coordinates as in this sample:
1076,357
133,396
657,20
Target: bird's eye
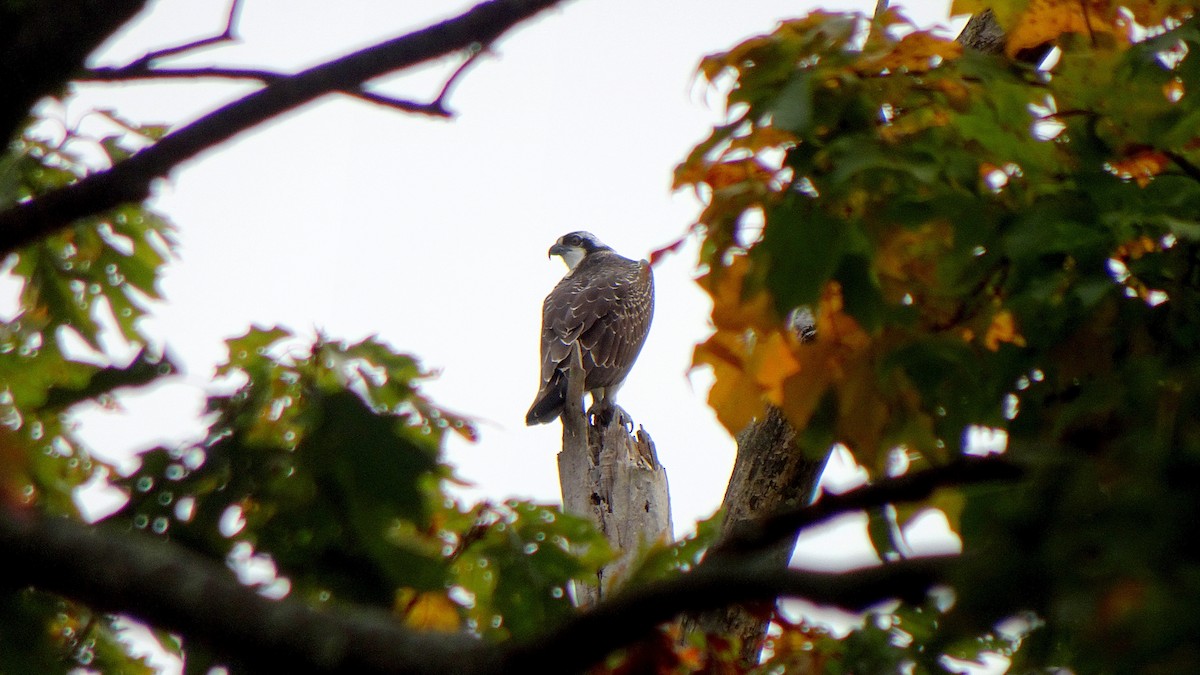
574,240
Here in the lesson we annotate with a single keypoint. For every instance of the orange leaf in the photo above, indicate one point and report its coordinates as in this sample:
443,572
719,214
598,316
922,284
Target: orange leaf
1002,329
430,610
1136,248
1044,20
1140,166
834,325
735,396
735,307
918,52
773,363
724,174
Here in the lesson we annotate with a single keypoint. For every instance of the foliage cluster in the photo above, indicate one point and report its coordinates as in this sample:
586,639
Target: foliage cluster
992,249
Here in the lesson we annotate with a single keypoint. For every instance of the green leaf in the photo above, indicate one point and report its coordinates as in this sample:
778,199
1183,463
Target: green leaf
141,371
801,248
793,109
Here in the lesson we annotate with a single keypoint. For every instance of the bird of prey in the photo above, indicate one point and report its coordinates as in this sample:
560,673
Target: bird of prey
603,304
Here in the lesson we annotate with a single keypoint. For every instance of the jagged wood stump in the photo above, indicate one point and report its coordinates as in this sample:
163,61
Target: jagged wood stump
612,477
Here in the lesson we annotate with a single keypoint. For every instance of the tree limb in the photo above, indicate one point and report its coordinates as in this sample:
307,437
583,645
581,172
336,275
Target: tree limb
760,534
770,474
130,180
224,36
176,590
170,587
630,616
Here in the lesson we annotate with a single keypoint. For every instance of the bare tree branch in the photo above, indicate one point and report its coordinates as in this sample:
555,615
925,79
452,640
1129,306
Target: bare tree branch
145,72
174,589
474,52
130,180
225,36
630,616
170,587
129,73
760,534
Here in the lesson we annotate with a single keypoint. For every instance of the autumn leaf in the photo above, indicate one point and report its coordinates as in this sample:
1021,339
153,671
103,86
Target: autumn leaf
1002,329
916,52
1141,166
430,610
1044,21
735,397
908,256
836,327
736,306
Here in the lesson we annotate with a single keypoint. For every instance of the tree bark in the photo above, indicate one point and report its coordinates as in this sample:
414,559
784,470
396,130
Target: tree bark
769,475
983,33
613,478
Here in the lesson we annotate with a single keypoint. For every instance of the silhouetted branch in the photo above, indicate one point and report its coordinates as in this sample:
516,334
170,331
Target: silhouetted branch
145,72
630,616
224,36
141,70
759,534
1189,169
173,589
130,180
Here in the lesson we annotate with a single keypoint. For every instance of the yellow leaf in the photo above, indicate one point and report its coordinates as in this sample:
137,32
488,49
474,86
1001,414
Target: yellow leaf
834,325
430,610
1136,248
1044,20
773,363
823,362
735,396
736,307
1002,329
917,52
908,256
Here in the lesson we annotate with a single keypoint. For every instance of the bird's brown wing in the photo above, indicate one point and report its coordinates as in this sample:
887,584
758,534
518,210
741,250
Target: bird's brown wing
606,307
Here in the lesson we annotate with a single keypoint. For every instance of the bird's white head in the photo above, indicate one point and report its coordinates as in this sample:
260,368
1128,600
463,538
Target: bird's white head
575,246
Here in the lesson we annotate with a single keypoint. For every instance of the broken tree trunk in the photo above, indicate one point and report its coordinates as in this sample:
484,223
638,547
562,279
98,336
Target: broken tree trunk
769,475
613,478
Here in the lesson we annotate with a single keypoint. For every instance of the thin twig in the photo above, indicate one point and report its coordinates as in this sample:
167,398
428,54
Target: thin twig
136,71
142,72
1087,21
476,50
225,36
434,109
129,180
1182,162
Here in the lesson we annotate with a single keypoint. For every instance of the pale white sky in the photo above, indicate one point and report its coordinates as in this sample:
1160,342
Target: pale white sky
356,220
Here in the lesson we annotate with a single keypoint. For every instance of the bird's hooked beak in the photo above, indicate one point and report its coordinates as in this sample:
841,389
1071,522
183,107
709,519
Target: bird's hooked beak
571,255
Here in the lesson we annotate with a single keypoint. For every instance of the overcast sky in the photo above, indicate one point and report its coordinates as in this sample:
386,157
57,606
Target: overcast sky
354,219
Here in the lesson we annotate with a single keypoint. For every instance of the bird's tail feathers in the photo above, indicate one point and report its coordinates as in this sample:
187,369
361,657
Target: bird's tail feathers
547,408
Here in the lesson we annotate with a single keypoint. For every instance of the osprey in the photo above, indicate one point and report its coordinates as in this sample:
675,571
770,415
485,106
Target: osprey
603,304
